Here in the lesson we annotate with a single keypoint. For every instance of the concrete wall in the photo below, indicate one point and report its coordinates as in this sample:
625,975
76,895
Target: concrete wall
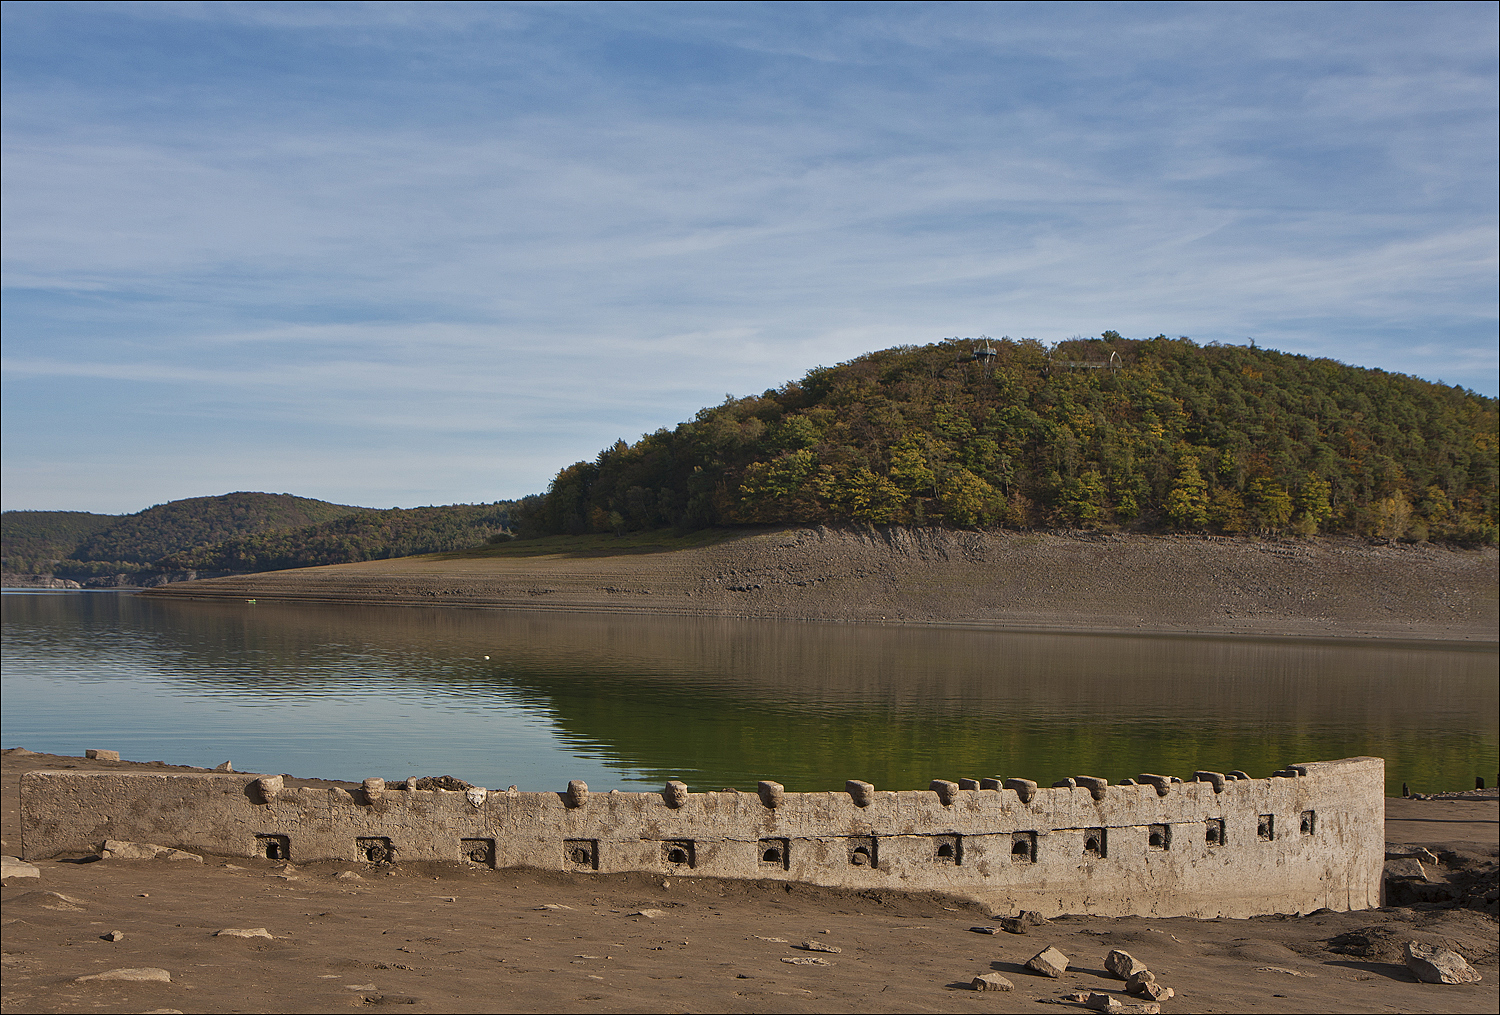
1311,837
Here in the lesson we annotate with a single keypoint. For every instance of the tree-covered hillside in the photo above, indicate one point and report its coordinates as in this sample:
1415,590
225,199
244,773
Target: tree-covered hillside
1151,435
364,535
36,538
151,534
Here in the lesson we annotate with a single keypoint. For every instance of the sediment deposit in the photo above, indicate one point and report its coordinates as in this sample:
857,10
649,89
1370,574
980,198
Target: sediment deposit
1083,581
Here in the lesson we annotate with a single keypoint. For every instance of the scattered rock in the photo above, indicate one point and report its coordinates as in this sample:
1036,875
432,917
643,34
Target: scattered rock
818,946
650,914
1405,868
1048,962
804,960
1033,918
985,930
243,932
225,767
991,981
98,755
114,935
347,876
15,867
1282,969
143,974
1013,924
116,850
1102,1002
1139,976
1149,989
1122,965
1436,964
555,905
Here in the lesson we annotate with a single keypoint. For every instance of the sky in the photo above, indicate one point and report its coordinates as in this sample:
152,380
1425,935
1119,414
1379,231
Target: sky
399,254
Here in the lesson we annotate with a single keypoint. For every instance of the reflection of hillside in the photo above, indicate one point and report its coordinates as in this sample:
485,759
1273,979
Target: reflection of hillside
722,702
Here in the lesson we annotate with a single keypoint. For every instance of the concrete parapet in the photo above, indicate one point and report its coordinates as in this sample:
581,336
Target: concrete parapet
1311,838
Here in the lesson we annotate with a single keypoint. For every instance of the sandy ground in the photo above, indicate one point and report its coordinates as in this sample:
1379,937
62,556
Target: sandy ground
1044,581
449,938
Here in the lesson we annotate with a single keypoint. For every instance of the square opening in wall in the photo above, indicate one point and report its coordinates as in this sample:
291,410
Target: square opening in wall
775,853
948,849
480,851
273,847
581,854
679,853
1265,828
1309,822
1159,837
861,851
375,849
1096,843
1213,831
1023,847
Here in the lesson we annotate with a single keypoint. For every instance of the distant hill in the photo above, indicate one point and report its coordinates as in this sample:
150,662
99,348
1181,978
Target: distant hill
151,534
363,535
33,538
1150,436
236,532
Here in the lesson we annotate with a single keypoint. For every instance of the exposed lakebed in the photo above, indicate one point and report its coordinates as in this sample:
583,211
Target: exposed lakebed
534,699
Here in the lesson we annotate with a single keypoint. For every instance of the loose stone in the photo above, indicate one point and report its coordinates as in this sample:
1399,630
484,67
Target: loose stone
99,755
1013,924
818,946
1122,964
991,981
143,974
1103,1002
985,930
804,960
244,932
114,935
116,850
15,867
1048,962
1435,964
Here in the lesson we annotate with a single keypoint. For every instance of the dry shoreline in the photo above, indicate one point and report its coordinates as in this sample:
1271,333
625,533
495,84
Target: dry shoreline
441,937
1318,588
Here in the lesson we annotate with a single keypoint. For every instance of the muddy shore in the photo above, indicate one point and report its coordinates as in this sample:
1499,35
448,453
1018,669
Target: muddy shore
439,937
1337,588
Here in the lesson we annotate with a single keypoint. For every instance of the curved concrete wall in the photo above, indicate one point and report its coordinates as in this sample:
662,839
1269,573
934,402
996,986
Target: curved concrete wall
1311,837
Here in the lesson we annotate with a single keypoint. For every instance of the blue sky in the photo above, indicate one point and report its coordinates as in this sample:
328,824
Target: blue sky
397,254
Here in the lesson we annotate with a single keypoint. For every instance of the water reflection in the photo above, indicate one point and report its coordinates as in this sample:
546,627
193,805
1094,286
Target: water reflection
631,701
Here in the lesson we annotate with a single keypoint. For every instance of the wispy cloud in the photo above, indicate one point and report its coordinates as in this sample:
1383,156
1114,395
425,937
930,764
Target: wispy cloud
554,225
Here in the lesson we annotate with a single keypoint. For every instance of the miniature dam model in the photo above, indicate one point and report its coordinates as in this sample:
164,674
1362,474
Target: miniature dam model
1310,837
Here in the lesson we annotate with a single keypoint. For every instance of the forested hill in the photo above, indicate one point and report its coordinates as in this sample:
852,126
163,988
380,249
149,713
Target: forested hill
166,528
1151,435
34,539
363,535
236,532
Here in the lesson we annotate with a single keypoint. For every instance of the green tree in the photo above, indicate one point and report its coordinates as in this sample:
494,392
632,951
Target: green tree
1187,504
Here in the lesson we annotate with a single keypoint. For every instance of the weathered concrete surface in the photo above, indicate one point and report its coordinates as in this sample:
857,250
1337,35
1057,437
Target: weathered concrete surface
1312,838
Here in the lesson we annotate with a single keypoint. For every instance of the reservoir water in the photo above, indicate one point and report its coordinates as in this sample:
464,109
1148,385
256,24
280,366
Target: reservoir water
535,699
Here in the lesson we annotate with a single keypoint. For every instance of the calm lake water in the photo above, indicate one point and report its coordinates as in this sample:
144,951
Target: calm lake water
628,702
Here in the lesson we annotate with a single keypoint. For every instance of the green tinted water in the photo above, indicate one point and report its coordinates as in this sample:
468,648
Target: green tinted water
629,702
